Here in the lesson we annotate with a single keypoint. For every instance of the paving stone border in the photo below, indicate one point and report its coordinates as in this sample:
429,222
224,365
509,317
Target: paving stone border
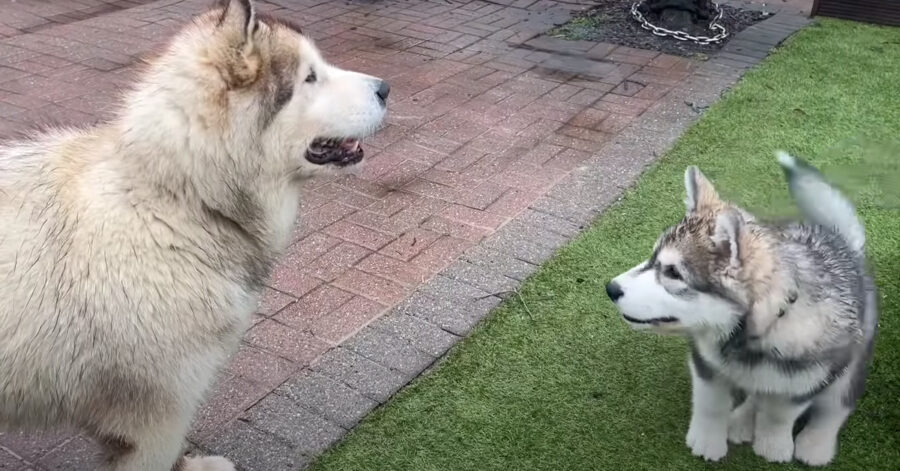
315,410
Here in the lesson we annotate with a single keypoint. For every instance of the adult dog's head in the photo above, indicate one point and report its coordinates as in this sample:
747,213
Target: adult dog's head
238,95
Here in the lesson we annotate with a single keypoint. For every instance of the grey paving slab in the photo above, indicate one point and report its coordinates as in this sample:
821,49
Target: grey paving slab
480,277
254,450
333,399
423,335
308,432
499,262
389,350
372,380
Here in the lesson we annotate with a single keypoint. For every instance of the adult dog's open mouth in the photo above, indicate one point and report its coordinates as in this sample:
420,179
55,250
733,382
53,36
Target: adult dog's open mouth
335,151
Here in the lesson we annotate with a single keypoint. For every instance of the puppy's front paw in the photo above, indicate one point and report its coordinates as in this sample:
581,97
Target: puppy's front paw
705,442
740,425
815,449
207,463
774,448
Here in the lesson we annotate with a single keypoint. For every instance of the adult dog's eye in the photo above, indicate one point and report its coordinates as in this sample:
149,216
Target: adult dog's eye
671,272
311,78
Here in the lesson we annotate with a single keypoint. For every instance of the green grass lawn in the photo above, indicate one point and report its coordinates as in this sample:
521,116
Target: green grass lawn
570,387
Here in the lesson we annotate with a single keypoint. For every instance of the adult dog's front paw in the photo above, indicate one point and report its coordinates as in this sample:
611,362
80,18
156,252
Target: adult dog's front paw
207,463
774,448
705,441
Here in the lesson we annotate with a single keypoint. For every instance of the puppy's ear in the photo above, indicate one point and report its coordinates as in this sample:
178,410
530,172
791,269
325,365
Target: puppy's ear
241,62
701,194
727,236
726,239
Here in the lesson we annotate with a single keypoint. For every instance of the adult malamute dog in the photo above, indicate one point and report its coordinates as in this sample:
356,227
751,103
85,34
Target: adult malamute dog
132,254
785,315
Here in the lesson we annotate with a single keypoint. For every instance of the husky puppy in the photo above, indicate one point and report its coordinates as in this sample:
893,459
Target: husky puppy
132,254
785,315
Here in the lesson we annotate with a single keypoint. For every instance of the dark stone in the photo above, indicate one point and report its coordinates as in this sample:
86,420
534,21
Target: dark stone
612,22
680,15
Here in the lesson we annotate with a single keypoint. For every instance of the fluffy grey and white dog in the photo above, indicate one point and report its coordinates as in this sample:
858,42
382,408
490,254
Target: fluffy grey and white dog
132,254
786,315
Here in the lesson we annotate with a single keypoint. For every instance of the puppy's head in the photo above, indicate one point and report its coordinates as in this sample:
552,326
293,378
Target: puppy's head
256,92
693,281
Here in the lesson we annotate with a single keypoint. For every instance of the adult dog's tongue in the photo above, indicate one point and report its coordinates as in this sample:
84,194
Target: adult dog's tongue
350,145
338,152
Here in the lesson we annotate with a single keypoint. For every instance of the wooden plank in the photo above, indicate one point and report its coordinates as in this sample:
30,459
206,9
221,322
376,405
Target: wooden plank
886,12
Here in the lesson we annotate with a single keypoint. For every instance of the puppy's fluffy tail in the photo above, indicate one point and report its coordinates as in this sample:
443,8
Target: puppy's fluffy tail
821,203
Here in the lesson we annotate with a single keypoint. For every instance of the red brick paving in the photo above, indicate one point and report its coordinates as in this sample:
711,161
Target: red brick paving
479,129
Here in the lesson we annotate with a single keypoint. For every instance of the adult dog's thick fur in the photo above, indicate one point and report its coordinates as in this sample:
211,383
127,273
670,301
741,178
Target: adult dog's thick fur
132,254
786,315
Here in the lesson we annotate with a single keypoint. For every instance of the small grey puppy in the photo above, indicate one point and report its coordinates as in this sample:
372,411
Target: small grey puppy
787,315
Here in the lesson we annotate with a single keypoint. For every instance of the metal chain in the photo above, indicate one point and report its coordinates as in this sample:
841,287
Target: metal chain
714,26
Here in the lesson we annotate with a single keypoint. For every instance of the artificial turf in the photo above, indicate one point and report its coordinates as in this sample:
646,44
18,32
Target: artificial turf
567,386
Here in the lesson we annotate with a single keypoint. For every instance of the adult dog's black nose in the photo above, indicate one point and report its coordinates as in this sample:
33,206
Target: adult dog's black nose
384,89
614,291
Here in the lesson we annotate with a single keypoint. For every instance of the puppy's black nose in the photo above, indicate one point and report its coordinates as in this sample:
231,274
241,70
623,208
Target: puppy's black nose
614,291
384,89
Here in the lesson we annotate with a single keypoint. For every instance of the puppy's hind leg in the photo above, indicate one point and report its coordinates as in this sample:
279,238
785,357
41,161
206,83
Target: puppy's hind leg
742,420
817,443
773,435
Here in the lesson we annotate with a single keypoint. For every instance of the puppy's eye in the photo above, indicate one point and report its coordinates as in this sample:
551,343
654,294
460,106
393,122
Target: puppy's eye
669,271
311,78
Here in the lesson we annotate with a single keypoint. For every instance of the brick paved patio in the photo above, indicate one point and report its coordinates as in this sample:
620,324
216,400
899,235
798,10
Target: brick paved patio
487,117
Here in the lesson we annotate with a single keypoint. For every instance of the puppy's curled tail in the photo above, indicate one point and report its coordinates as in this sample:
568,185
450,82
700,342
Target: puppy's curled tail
821,203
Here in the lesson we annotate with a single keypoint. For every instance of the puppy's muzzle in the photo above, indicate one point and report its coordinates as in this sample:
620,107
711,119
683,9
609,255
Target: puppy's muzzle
614,291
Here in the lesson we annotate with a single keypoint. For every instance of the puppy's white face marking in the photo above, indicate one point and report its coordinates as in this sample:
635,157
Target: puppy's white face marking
657,295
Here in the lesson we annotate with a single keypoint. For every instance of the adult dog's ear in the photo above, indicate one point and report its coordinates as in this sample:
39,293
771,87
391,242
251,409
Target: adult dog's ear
701,194
241,62
239,16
